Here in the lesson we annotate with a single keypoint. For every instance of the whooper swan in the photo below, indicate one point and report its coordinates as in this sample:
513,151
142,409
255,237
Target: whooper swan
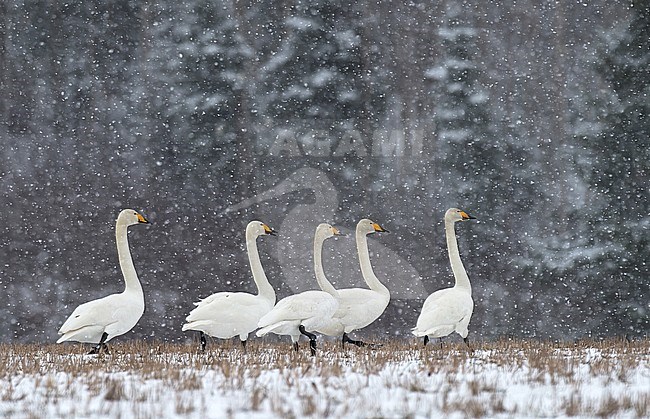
305,312
99,321
227,314
449,310
358,307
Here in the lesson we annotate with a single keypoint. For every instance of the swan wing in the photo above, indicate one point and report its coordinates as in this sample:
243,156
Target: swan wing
444,313
225,304
227,314
100,312
114,314
359,307
300,307
434,299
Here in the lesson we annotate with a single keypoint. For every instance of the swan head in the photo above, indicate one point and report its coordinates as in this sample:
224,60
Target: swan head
326,231
454,214
131,217
258,228
367,226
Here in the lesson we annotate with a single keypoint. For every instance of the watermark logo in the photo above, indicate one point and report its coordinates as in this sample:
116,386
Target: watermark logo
286,143
319,203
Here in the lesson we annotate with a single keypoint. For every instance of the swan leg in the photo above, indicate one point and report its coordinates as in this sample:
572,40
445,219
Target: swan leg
426,340
440,343
295,346
466,340
243,344
347,339
203,341
312,339
101,346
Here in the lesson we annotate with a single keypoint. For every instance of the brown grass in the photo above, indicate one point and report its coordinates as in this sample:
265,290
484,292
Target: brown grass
423,380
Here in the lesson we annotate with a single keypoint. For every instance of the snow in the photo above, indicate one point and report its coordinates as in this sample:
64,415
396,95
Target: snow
495,382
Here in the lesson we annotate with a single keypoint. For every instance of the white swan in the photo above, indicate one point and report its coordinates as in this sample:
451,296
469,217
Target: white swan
302,313
227,314
358,307
99,321
449,310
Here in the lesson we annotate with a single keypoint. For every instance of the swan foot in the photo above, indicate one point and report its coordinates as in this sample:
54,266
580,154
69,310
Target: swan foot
427,340
101,346
360,343
99,349
312,339
203,341
346,339
469,348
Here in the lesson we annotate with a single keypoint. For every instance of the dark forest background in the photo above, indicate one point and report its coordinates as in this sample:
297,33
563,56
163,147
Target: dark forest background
530,115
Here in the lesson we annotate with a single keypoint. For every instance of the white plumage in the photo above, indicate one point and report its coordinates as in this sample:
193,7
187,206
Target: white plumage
305,312
448,310
99,321
227,314
358,307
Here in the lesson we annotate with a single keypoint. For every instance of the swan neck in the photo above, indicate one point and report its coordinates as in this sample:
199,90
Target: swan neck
264,288
126,261
323,282
366,268
462,280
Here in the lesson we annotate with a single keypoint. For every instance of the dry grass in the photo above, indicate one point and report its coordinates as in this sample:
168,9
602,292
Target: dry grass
144,379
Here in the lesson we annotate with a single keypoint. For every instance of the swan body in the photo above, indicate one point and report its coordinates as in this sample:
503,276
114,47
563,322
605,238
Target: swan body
307,311
448,310
99,321
227,314
359,307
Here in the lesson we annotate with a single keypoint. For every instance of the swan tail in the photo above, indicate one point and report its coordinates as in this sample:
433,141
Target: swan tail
417,332
268,329
89,334
196,325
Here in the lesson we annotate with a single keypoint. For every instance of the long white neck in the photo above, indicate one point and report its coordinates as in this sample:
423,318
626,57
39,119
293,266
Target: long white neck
126,261
462,280
323,282
264,289
366,268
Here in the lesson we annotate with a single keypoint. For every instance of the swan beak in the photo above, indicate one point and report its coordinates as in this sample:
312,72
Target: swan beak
466,216
269,230
337,232
379,229
141,219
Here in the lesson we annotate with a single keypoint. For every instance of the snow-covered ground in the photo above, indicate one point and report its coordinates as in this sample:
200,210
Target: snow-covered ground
505,379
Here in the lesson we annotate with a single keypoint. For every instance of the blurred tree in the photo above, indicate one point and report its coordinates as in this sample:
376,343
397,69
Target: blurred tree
620,173
322,78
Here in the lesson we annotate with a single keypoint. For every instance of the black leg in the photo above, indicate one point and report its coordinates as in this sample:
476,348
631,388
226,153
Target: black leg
312,339
440,344
426,340
243,344
203,341
295,346
347,339
467,342
101,346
